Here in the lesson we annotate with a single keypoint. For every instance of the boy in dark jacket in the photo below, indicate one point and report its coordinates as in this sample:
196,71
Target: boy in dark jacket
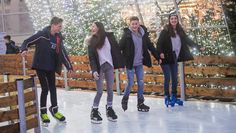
49,56
135,46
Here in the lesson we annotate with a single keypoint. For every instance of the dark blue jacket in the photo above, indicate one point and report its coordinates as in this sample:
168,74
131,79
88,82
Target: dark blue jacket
45,56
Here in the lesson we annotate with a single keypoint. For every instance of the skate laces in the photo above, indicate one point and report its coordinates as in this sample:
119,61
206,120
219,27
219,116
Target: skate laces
111,111
58,115
96,112
45,116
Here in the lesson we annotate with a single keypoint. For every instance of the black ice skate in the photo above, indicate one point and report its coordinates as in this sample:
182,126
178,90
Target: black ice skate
124,103
111,115
141,106
95,116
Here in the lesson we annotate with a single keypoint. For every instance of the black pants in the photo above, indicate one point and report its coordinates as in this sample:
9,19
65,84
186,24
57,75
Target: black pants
47,82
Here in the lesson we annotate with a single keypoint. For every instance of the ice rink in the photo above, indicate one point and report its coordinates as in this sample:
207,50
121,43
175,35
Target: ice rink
193,117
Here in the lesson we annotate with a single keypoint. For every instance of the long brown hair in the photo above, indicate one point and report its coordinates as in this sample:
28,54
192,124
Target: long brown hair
97,40
179,29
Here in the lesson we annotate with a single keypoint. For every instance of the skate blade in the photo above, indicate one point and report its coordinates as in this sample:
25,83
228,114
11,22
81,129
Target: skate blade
45,124
143,110
112,120
96,122
62,122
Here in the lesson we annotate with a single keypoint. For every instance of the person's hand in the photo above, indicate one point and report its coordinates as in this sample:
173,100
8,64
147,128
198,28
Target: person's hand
159,61
24,53
96,75
202,49
70,71
162,56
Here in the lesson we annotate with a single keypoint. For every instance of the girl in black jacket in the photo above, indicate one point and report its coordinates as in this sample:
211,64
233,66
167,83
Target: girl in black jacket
173,48
104,56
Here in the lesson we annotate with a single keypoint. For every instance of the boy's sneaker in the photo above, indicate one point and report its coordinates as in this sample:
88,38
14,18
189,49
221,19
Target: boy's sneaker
59,116
45,119
95,116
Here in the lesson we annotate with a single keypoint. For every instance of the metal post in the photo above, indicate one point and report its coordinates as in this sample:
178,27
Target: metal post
38,129
65,78
181,64
117,82
21,104
24,66
6,77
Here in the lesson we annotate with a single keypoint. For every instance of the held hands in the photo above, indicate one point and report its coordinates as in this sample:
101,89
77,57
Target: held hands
162,56
24,53
202,49
96,75
70,71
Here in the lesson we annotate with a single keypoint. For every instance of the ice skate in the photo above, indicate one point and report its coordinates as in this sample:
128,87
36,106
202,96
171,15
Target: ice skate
143,108
167,101
111,115
124,103
45,120
95,116
174,101
57,115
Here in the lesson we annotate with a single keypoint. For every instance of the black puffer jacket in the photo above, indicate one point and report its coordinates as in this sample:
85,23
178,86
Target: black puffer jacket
45,56
12,48
115,53
164,45
127,47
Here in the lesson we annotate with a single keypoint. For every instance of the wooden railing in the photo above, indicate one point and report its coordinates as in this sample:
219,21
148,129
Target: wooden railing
205,76
18,104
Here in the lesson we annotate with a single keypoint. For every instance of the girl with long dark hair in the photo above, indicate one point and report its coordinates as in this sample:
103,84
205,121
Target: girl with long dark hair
173,45
104,56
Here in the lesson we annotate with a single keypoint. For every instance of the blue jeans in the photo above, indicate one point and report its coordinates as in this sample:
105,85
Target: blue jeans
138,70
170,71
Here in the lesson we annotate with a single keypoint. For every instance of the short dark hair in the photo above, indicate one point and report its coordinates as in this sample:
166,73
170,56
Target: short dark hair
56,20
133,18
8,37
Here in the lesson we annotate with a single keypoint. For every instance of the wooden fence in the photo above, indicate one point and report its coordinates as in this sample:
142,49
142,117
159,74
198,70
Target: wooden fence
18,104
213,76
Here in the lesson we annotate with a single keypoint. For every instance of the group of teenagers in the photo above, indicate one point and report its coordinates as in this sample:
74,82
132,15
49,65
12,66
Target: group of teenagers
105,53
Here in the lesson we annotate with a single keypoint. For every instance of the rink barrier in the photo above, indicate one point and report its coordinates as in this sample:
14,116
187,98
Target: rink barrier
18,104
204,76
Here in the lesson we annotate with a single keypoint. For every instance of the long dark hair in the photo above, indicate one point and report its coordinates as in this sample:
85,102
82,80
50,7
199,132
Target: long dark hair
179,29
97,40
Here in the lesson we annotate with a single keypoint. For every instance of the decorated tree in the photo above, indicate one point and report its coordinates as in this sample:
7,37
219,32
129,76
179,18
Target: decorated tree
230,11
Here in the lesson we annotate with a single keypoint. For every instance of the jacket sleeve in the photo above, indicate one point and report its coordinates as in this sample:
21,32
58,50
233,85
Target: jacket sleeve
92,59
160,42
152,49
122,42
31,40
190,42
13,45
65,59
